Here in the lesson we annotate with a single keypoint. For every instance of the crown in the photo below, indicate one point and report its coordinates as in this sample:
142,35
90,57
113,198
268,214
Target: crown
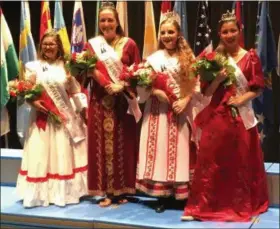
107,4
228,16
171,15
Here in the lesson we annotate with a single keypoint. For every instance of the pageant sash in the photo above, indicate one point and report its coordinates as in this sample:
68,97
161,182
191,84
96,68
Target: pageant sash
57,93
160,63
107,55
246,111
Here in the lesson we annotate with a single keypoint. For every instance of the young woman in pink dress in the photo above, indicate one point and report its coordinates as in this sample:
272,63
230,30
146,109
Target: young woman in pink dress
229,182
113,139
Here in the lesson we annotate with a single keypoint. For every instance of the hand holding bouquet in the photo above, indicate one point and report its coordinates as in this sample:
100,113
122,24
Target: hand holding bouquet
215,65
25,90
141,75
209,65
79,63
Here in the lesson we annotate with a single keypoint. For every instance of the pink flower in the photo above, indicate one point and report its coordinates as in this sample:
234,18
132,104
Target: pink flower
210,56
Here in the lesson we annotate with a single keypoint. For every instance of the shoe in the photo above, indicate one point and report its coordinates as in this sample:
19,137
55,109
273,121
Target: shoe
160,208
187,218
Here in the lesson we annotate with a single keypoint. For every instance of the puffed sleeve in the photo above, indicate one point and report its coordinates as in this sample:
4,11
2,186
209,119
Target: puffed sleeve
30,71
254,73
133,51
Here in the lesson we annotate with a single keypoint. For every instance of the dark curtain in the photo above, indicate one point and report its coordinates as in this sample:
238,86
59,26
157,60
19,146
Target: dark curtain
11,11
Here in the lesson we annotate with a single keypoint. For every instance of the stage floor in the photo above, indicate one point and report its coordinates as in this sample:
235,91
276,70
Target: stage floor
88,214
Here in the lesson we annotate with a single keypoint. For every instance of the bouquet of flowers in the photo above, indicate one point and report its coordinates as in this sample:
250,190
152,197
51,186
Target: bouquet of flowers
141,75
26,90
144,76
79,63
208,67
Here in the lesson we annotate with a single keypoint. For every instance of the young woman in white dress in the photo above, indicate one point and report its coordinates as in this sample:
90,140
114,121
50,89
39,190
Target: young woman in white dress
54,160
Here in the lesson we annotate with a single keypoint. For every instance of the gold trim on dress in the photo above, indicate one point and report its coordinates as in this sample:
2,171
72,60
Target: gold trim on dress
108,102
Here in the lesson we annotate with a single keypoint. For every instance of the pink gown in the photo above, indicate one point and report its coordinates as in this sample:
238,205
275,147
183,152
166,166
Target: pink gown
229,182
112,137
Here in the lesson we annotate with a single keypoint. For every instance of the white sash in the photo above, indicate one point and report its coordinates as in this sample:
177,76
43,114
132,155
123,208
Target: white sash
57,93
114,66
246,111
160,63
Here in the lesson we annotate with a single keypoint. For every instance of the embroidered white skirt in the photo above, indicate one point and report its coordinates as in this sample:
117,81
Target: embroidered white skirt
54,168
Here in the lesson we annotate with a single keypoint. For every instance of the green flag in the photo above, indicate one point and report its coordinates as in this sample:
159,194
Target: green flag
9,60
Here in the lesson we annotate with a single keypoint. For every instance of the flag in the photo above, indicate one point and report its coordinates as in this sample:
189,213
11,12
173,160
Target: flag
202,42
98,4
122,11
165,7
9,70
180,8
237,8
150,38
266,49
27,50
27,53
46,24
78,37
59,26
9,60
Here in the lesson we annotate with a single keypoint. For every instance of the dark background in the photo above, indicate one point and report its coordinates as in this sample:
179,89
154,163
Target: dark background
12,12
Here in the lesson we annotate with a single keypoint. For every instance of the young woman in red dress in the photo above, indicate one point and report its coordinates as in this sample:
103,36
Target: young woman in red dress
229,182
113,139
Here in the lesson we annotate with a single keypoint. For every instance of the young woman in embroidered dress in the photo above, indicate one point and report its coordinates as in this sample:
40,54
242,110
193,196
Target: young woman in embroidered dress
113,139
166,155
54,161
229,182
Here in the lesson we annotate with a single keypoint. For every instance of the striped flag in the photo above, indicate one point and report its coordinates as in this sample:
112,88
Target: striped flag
121,8
59,26
27,50
78,37
98,4
9,71
46,24
237,8
180,8
150,38
165,7
9,60
202,42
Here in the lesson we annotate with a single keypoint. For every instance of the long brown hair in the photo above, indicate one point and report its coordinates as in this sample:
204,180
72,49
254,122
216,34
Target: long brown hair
119,29
185,56
60,52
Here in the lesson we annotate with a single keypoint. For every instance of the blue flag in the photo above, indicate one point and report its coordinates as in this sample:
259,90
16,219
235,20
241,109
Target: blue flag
266,50
180,8
78,38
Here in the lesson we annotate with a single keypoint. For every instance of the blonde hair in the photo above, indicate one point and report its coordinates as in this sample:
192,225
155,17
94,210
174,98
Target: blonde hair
186,59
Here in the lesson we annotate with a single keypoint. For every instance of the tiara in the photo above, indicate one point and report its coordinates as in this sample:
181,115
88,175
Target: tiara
107,4
171,15
228,16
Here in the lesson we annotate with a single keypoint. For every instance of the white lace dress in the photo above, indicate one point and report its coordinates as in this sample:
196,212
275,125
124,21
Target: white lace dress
54,167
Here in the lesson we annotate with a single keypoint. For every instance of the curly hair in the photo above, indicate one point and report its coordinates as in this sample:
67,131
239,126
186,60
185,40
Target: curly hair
185,57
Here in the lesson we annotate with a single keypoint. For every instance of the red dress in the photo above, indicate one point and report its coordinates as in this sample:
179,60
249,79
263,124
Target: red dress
112,136
229,183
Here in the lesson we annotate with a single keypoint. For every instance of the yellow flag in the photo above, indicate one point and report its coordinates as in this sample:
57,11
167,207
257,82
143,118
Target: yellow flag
150,37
